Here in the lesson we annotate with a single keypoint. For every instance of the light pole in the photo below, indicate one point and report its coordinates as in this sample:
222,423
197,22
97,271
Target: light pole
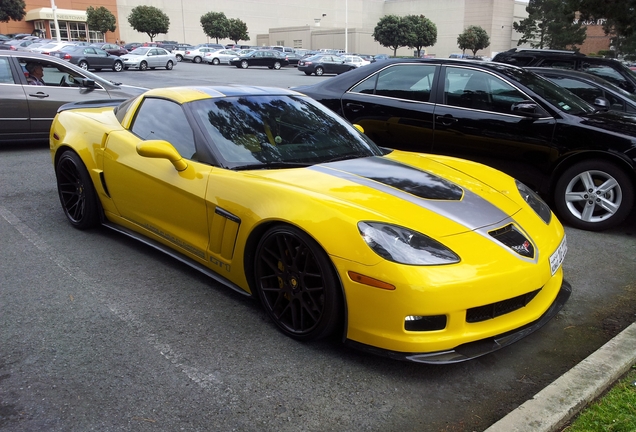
57,27
346,26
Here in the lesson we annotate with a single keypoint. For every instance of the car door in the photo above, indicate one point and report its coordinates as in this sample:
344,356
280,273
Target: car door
394,106
474,120
102,59
150,192
14,115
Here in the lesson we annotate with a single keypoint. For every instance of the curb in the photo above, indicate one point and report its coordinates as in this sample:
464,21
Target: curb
551,408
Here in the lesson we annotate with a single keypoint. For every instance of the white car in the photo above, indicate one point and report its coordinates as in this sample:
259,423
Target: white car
179,52
143,58
196,54
356,60
219,56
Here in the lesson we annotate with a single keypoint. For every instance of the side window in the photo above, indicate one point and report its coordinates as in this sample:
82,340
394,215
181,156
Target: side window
475,89
165,120
560,64
583,90
410,82
6,77
608,73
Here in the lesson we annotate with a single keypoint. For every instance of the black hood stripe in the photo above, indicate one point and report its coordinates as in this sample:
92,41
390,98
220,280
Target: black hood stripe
417,187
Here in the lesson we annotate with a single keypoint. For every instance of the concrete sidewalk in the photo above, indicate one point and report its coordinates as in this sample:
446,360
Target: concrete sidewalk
551,408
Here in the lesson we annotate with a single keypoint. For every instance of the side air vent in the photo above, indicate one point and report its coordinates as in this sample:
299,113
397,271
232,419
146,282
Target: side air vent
512,238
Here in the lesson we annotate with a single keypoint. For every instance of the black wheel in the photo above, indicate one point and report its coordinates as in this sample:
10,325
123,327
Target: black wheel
244,64
169,65
594,195
216,61
297,284
143,66
118,66
307,73
83,64
277,65
197,59
76,191
319,71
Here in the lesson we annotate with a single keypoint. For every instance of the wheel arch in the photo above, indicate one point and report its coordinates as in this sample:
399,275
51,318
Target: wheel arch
618,159
248,265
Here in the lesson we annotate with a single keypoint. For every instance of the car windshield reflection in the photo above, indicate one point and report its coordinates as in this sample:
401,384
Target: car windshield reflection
277,131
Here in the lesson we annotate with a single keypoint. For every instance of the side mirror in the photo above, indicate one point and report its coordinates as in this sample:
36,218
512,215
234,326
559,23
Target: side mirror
602,103
161,149
526,108
86,82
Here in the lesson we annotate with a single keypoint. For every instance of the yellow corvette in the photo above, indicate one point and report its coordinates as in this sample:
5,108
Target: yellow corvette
413,256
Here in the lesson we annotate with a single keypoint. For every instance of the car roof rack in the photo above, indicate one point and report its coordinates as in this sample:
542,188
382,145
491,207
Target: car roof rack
548,51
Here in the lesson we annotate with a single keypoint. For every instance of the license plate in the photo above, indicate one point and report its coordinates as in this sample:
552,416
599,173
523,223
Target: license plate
556,259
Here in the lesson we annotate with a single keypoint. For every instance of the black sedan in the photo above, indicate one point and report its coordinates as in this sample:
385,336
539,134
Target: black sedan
270,58
581,158
324,64
590,87
111,48
88,57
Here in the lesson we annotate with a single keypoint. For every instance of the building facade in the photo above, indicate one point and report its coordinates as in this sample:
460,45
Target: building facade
337,24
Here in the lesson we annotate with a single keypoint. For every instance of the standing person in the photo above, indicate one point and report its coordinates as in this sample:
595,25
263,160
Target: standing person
36,73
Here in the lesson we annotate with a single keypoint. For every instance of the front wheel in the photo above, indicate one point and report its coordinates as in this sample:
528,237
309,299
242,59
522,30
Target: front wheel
83,64
244,64
169,65
179,57
307,73
216,61
143,66
594,195
319,71
277,65
118,66
76,191
297,284
197,59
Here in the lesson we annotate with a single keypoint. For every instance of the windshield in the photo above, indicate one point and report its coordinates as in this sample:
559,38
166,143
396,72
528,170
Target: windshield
255,132
561,98
139,51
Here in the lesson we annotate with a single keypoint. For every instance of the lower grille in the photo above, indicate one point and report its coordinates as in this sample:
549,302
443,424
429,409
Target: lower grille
493,310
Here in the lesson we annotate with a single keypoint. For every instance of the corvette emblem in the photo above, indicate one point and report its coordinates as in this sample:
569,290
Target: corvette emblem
523,249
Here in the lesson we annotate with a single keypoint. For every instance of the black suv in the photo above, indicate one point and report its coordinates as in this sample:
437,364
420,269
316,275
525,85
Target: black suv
611,70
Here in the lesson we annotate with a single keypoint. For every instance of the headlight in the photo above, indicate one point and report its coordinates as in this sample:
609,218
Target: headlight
534,201
405,246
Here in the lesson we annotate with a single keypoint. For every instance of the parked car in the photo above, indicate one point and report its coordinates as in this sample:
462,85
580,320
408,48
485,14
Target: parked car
293,58
379,57
417,257
50,47
582,159
180,51
321,64
589,88
356,60
219,56
19,44
88,57
197,53
611,70
112,49
143,58
131,46
272,59
28,110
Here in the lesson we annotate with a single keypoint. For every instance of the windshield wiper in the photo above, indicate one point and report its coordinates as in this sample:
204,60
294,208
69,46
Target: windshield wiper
272,165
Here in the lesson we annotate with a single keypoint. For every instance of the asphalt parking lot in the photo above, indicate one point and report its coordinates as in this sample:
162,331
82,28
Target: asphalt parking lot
99,332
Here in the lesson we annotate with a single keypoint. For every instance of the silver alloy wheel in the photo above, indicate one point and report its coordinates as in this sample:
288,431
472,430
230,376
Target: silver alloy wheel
277,65
244,64
319,71
83,65
197,59
593,196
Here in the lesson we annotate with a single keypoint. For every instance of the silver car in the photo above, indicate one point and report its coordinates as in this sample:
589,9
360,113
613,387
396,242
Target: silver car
28,110
144,58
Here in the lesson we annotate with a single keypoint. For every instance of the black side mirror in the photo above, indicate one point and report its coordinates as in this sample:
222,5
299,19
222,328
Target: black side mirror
526,108
87,82
602,103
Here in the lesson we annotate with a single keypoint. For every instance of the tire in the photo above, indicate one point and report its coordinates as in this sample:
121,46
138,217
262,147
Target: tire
179,57
143,66
244,64
297,284
169,65
76,191
118,66
319,71
307,73
277,65
197,59
216,61
594,195
83,64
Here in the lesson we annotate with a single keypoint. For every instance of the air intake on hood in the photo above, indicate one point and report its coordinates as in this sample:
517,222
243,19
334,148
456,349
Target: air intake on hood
516,241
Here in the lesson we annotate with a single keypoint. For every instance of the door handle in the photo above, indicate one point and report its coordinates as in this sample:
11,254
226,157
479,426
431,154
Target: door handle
446,120
39,95
354,106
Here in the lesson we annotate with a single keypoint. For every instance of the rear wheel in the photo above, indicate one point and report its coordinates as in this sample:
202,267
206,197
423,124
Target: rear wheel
197,59
244,64
179,57
83,64
143,66
216,61
297,284
76,191
277,65
118,66
307,73
169,65
594,195
319,71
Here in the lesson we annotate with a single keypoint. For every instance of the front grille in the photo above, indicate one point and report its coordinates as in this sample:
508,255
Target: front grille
512,238
493,310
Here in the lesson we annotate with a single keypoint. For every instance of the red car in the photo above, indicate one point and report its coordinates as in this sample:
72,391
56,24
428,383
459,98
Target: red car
111,48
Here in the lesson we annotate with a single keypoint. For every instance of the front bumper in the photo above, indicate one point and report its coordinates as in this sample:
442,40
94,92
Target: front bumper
471,350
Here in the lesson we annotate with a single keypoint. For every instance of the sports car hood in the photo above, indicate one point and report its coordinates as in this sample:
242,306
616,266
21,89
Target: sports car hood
411,189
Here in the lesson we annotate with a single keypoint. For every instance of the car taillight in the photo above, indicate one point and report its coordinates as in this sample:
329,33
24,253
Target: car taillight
67,56
187,52
307,63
